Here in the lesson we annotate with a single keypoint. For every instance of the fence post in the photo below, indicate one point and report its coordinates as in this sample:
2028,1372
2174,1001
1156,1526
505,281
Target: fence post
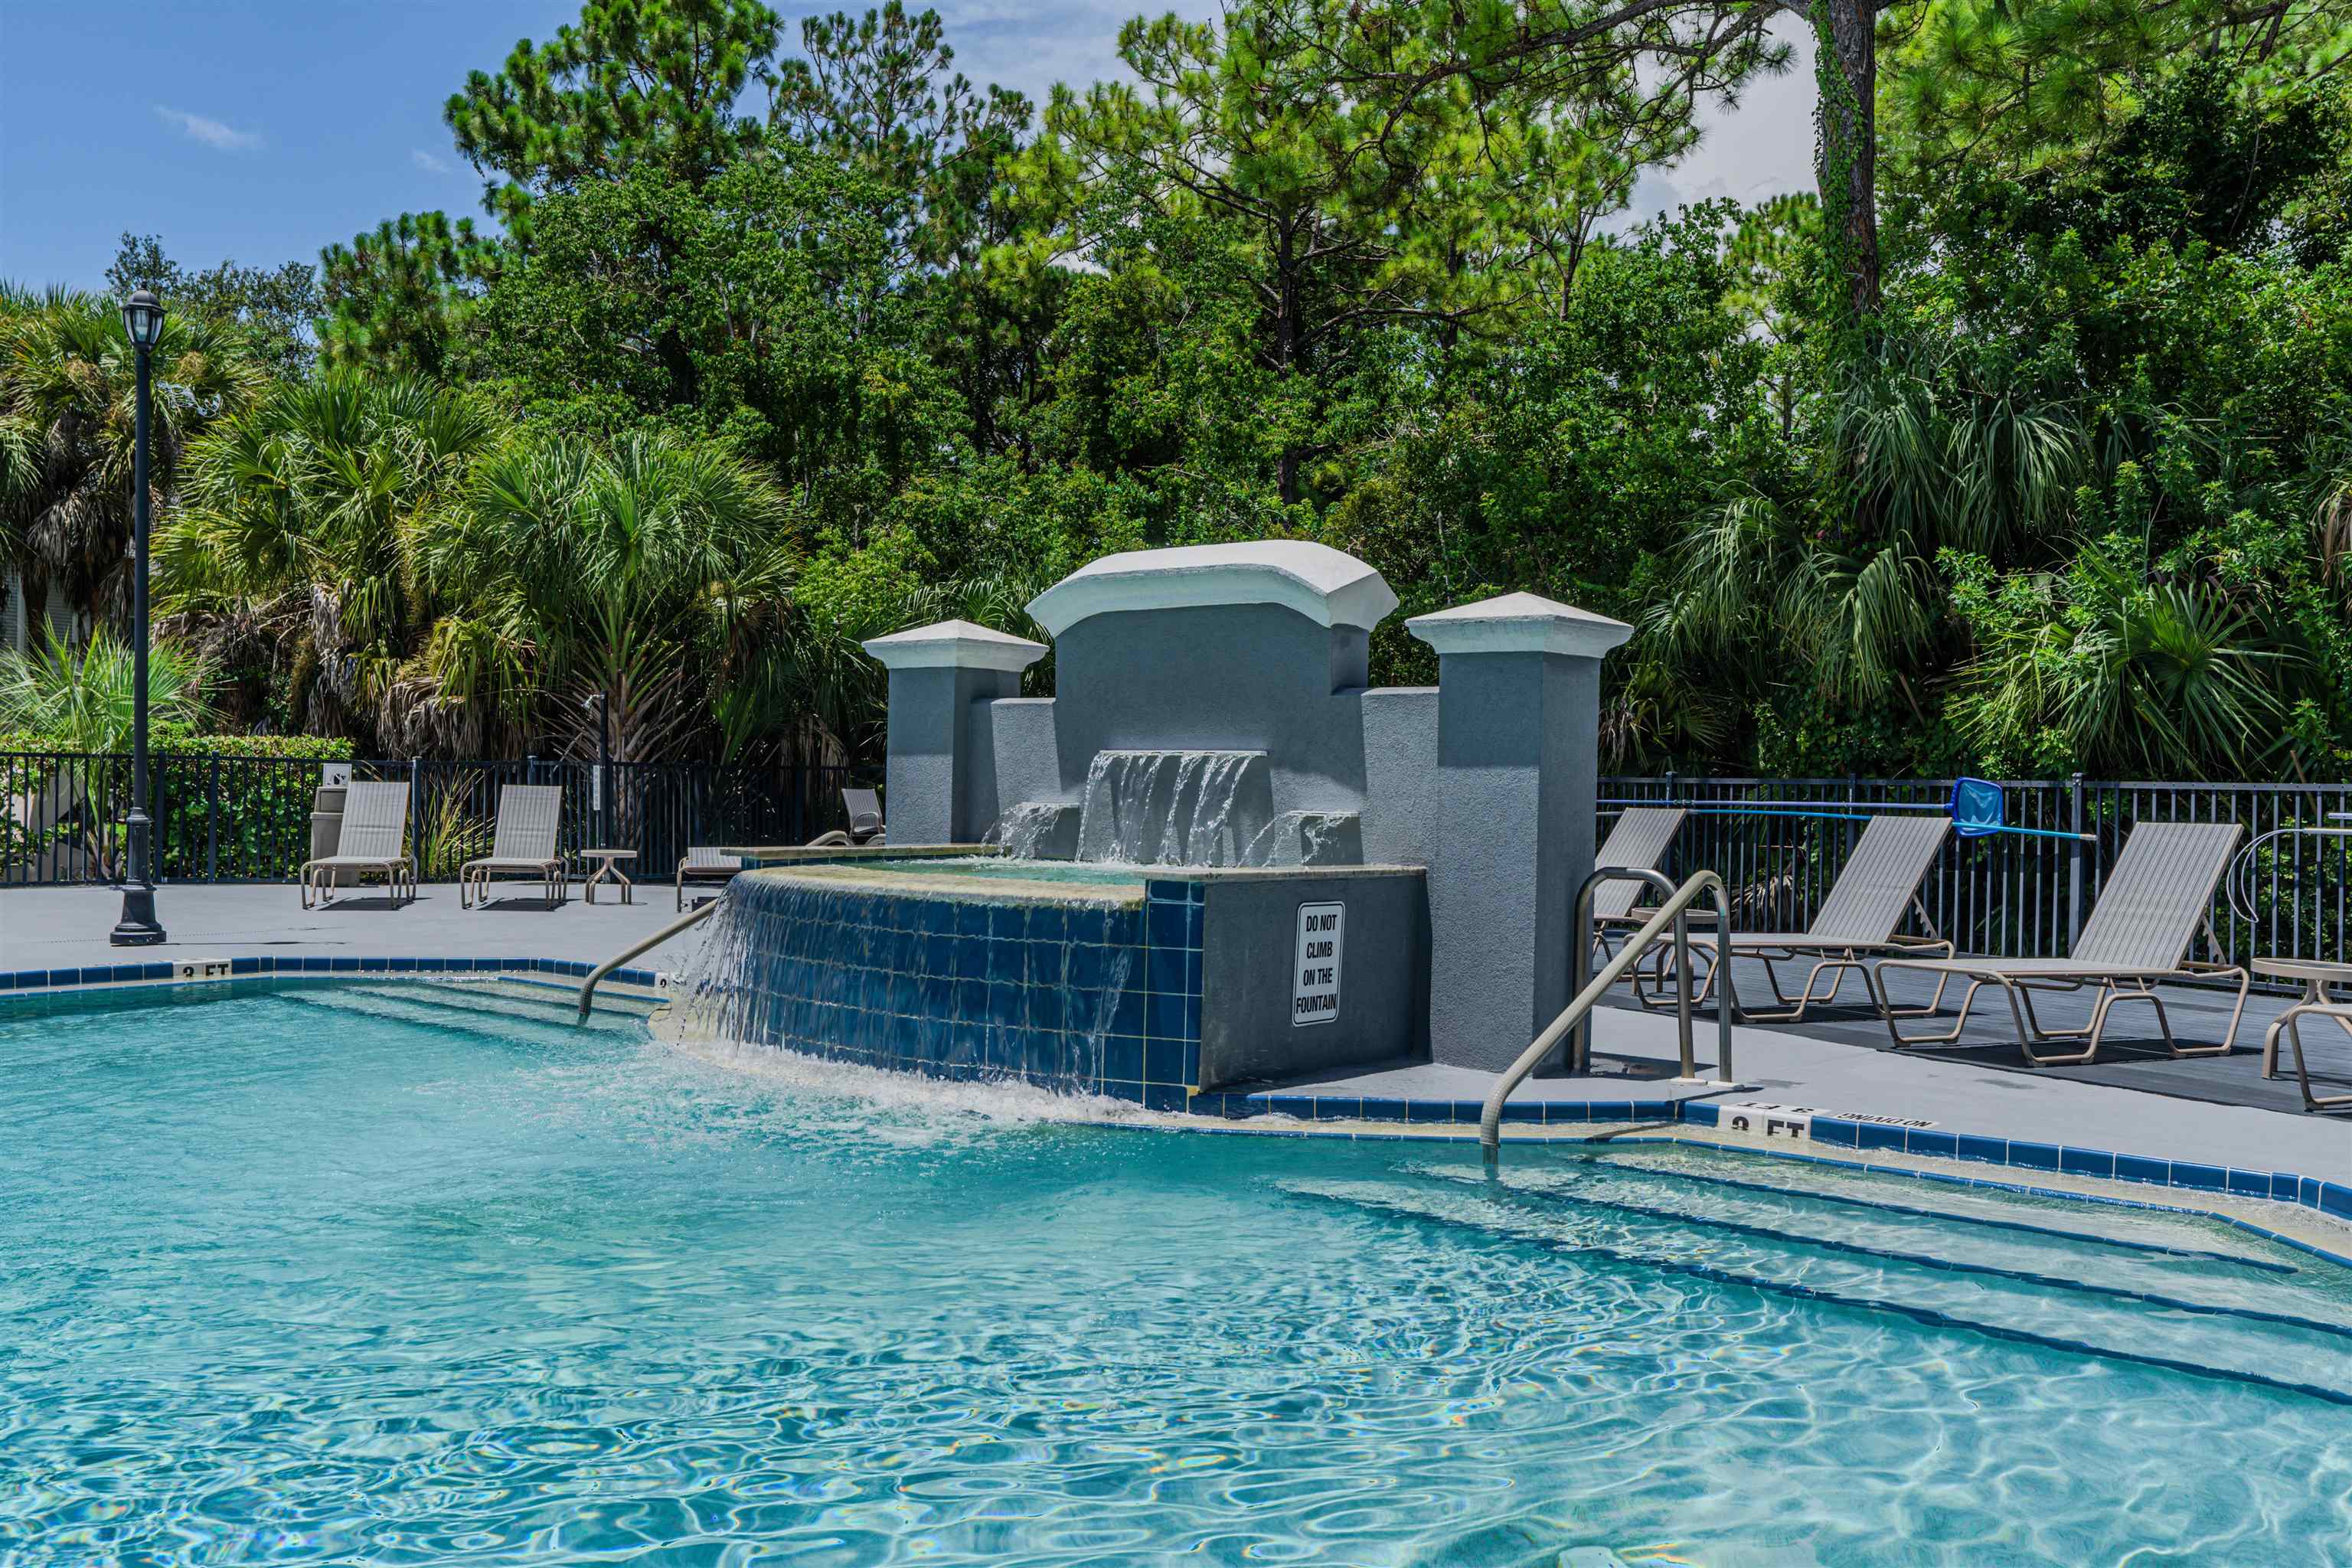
2074,862
211,820
415,844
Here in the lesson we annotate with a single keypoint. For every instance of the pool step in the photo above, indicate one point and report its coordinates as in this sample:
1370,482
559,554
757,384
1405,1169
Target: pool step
2312,1358
501,1012
2192,1278
2121,1227
558,999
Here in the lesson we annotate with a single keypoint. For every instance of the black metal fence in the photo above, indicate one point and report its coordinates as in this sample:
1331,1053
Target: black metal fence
2288,895
242,819
248,819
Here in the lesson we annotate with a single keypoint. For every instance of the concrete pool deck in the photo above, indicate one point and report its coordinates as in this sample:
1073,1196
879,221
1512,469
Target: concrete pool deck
1822,1066
66,928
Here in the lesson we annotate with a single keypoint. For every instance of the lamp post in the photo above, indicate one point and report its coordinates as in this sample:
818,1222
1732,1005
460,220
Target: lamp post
143,321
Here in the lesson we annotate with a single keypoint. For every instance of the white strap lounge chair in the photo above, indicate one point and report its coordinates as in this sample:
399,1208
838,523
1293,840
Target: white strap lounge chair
865,809
2156,899
524,845
373,838
1638,843
705,866
1861,919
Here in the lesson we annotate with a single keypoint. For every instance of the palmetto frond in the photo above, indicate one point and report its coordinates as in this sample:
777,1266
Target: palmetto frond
619,567
314,494
1951,456
82,699
1861,616
2125,674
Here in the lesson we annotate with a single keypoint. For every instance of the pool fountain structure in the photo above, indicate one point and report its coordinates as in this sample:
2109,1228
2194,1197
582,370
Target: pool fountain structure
1214,858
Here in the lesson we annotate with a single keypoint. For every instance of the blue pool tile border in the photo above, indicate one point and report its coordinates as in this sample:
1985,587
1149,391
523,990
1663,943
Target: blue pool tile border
1838,1133
104,979
2328,1197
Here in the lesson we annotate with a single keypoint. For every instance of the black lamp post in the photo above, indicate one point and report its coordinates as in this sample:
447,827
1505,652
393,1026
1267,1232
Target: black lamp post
142,319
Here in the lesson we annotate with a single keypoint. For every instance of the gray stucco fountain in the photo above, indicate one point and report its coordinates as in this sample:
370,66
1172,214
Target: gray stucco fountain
1216,855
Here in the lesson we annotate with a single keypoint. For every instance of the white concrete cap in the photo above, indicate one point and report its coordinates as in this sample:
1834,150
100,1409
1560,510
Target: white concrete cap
1519,622
1327,586
955,644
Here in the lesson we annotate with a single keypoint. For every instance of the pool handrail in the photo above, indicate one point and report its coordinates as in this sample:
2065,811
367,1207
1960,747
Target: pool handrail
588,986
1669,919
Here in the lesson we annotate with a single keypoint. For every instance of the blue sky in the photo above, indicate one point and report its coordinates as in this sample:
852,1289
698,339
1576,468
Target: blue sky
262,130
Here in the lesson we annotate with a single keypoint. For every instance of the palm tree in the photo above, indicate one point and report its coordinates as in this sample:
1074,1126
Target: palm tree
796,671
292,550
1939,454
66,387
615,570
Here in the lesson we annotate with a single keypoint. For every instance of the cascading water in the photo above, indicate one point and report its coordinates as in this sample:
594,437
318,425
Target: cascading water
1178,808
1035,830
1171,808
1307,838
855,975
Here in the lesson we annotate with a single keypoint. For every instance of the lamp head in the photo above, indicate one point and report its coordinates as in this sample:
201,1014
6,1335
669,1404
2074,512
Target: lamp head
143,318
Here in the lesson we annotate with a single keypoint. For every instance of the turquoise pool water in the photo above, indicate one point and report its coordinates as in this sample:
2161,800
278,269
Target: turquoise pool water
349,1275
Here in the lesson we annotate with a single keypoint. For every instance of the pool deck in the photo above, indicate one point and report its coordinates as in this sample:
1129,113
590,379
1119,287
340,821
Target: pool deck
66,928
2214,1109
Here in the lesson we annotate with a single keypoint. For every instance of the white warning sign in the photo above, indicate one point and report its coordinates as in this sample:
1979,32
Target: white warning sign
1322,929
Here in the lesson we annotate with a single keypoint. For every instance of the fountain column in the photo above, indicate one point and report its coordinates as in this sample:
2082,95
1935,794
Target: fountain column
932,792
1518,713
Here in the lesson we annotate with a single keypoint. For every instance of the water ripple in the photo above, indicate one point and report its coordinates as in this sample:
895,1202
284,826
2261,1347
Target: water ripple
402,1298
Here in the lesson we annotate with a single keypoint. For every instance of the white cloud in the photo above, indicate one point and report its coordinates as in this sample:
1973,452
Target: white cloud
210,132
1761,148
429,164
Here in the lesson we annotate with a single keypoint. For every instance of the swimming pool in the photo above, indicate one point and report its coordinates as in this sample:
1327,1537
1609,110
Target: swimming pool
354,1274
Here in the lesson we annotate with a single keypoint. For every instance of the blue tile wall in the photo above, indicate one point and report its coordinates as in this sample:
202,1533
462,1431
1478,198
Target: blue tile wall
1102,997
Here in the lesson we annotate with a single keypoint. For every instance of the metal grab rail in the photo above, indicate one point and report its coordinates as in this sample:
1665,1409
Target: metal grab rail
1670,918
588,986
1580,962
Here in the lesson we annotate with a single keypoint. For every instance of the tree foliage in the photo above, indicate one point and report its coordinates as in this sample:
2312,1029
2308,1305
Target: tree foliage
632,81
2022,442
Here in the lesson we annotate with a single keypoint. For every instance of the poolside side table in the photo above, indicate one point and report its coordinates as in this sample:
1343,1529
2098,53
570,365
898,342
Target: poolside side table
608,864
2317,975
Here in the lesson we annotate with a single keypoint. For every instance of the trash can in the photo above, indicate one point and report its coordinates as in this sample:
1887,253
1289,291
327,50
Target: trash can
327,825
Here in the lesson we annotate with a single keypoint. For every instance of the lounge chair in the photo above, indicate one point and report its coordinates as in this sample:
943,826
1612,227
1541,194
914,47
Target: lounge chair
1638,843
373,838
524,845
1861,919
705,866
865,809
2156,899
